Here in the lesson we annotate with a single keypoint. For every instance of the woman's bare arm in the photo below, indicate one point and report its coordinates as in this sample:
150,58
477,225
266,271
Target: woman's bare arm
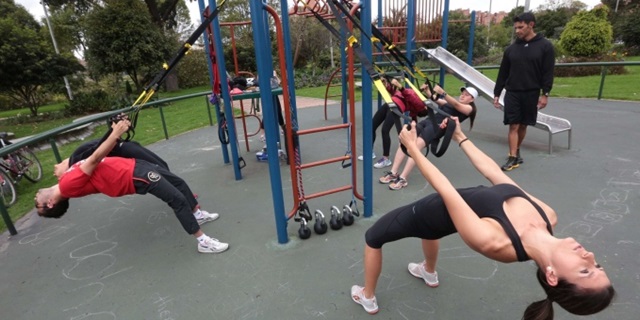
480,160
461,107
476,232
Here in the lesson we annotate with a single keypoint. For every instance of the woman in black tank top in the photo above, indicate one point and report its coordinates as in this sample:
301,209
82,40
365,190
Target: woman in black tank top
501,222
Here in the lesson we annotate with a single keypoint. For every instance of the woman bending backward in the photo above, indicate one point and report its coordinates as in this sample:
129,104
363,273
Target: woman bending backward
502,222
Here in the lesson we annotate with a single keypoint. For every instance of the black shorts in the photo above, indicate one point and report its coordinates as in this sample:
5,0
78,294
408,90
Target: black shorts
428,131
426,218
521,107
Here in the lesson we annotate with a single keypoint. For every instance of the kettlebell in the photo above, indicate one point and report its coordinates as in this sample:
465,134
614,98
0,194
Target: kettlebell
347,215
320,227
304,232
336,220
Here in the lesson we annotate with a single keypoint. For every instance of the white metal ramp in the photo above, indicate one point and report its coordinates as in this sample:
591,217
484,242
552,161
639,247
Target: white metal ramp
484,85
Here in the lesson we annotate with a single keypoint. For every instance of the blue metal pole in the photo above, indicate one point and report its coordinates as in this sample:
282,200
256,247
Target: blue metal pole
472,35
367,114
265,70
445,35
411,29
225,151
228,105
379,58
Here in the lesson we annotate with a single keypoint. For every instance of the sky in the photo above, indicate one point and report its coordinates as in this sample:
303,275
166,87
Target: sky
35,7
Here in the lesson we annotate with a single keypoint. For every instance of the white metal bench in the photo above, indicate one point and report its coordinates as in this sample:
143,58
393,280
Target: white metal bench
554,125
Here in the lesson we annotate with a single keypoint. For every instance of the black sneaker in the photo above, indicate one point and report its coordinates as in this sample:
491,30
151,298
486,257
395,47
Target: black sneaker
512,163
520,160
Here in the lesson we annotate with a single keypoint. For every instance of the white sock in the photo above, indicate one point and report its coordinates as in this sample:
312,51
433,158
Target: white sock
198,214
203,238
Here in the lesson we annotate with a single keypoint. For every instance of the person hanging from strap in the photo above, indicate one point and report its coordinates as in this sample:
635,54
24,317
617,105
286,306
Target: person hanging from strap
408,68
407,101
430,132
116,177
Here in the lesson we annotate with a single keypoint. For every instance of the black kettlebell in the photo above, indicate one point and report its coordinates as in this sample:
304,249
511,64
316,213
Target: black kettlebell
347,215
304,232
336,220
320,227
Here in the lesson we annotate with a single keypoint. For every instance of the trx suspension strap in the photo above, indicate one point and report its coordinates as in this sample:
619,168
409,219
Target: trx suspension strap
151,88
375,76
408,67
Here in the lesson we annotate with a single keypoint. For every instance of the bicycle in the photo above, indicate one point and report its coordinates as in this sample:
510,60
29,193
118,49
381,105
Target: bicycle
15,166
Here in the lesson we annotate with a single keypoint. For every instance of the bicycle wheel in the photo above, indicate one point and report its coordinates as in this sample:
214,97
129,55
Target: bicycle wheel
29,165
7,191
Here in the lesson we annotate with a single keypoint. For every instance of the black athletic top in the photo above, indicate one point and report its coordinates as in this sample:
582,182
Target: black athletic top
526,66
487,203
428,218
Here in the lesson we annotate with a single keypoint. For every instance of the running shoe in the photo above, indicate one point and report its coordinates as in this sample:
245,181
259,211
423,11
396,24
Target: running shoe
382,163
388,177
373,156
369,305
418,270
204,216
398,184
212,245
512,163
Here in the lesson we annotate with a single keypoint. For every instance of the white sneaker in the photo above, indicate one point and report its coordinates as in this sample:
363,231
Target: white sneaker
212,246
369,305
206,217
373,156
418,271
383,162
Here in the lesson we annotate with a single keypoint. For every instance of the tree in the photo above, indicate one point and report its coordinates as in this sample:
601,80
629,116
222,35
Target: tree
459,37
162,12
508,20
588,34
183,27
553,5
311,42
27,60
551,22
625,21
120,39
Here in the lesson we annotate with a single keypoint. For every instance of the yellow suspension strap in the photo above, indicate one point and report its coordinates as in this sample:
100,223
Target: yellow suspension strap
408,67
152,87
376,77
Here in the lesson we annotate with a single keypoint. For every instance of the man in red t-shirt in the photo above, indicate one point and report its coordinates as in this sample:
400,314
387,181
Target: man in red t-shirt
117,177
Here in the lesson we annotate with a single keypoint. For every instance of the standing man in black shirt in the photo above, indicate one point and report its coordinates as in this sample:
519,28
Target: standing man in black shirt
526,72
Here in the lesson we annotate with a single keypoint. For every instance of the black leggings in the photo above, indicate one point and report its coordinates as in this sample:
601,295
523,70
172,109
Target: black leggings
385,117
426,218
124,149
278,107
160,182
